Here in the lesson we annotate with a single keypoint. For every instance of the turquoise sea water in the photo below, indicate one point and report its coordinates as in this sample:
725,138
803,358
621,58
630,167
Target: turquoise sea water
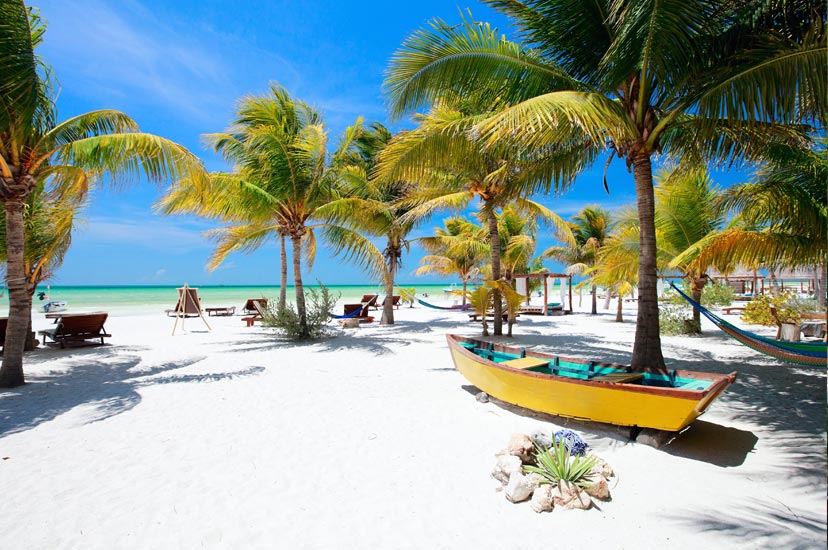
145,299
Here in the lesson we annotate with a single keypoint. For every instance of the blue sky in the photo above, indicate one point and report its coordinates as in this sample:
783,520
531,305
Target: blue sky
178,68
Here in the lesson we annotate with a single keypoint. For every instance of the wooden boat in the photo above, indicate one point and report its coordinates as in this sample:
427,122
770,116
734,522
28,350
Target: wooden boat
587,390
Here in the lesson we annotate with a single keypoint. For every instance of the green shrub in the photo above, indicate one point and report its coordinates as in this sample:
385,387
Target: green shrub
556,464
318,305
789,309
717,294
713,294
675,319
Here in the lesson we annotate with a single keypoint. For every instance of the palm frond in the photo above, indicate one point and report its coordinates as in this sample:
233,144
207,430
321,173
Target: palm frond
126,157
465,58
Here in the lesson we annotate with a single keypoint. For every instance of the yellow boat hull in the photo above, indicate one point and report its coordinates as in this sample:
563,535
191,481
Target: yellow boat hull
620,404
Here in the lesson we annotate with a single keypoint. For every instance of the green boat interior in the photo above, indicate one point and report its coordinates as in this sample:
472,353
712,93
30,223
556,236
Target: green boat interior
588,370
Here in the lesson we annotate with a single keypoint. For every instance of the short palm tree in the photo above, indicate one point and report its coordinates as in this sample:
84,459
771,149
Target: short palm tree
372,206
49,224
782,215
685,215
458,248
64,159
282,178
453,167
703,80
591,227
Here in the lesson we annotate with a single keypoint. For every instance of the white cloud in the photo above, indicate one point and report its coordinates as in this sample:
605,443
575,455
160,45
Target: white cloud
170,235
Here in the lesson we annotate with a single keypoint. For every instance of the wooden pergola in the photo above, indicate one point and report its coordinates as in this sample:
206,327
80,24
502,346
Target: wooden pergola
545,278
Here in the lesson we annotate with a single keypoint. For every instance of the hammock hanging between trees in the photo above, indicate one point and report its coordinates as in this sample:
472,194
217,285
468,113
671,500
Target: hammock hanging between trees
449,308
803,353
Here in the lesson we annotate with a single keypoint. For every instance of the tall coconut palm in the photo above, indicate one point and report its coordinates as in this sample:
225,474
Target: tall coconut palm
453,167
282,178
783,214
706,80
65,158
591,227
458,248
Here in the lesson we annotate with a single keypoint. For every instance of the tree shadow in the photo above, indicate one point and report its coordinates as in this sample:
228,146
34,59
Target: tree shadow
767,524
99,378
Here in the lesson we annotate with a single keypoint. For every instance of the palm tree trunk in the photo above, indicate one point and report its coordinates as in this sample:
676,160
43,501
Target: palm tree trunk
283,279
465,284
494,241
647,346
619,313
594,299
298,287
698,287
11,371
388,304
820,284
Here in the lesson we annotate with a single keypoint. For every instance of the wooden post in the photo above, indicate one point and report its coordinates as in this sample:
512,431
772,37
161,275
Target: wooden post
570,294
545,294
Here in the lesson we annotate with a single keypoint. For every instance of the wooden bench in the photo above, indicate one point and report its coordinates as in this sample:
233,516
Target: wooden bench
730,309
618,377
77,328
526,363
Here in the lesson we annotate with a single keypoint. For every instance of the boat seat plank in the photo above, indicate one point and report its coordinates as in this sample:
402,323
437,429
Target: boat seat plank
526,363
619,377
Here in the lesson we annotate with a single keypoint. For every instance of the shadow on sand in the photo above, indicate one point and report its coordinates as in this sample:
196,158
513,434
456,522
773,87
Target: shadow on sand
103,377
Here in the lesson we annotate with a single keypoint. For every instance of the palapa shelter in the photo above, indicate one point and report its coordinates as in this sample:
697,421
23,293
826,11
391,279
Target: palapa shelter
522,280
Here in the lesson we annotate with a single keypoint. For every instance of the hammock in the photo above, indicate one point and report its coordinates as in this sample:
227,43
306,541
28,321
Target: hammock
354,313
449,308
803,353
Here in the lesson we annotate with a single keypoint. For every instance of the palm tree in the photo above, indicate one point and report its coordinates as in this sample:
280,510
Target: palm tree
453,167
49,226
457,248
64,158
518,233
374,206
591,227
704,80
282,178
782,215
685,215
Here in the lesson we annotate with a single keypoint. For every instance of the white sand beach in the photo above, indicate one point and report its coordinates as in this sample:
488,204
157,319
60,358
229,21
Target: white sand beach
234,438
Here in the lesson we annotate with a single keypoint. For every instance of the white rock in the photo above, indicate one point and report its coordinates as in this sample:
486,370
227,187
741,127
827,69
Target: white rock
519,488
521,445
542,499
601,467
506,465
599,489
569,496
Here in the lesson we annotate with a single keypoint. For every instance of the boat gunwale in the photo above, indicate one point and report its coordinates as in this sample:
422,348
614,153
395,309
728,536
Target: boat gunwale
719,382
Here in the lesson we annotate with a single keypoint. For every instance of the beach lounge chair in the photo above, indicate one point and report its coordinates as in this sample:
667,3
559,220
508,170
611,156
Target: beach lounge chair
363,316
188,305
77,328
249,308
258,312
220,311
395,301
370,301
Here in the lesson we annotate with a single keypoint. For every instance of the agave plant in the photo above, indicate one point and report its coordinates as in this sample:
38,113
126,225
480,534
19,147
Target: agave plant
557,464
